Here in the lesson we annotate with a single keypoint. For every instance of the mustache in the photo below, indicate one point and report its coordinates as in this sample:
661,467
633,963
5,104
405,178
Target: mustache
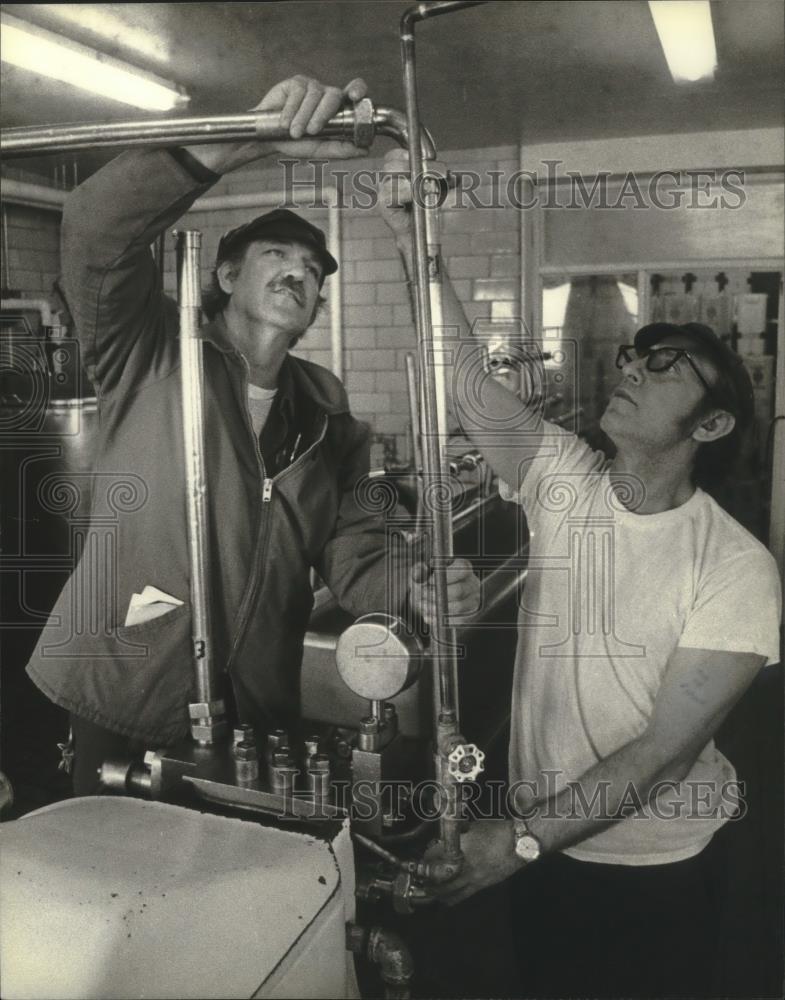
289,285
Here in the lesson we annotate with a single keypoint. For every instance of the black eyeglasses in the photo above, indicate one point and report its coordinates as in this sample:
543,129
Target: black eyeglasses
659,359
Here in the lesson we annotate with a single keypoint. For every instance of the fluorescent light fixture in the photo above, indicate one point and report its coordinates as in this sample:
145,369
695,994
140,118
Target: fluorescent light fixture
687,38
110,27
48,54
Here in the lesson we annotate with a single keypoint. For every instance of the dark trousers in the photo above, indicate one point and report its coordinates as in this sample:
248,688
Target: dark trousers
593,930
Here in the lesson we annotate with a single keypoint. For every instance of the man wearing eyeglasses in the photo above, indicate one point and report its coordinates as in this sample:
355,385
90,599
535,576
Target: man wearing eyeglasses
646,614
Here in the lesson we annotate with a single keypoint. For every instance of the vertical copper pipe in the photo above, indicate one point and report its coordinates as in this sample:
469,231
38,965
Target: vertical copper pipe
160,255
427,269
437,486
414,413
192,384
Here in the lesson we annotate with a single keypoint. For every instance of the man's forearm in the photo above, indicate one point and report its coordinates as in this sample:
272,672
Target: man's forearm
453,317
223,157
467,381
606,794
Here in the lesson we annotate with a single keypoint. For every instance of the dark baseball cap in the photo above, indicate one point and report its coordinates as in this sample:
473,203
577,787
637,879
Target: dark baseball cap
283,225
733,390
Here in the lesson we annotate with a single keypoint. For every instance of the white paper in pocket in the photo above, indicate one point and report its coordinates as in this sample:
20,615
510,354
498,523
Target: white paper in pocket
151,603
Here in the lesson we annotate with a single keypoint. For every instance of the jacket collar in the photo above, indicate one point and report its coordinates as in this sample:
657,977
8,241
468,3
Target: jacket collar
295,375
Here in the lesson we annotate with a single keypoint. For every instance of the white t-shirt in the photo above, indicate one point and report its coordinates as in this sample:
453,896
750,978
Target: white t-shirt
260,402
609,595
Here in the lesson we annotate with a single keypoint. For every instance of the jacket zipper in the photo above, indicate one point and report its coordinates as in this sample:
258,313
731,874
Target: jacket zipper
244,615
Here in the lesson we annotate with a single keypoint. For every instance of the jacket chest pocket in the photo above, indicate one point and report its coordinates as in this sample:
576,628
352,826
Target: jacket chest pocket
312,498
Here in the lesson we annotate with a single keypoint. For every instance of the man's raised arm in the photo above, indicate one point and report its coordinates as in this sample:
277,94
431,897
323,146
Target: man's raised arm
507,429
110,280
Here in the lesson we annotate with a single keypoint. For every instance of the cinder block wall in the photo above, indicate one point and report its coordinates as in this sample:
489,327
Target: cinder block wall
31,244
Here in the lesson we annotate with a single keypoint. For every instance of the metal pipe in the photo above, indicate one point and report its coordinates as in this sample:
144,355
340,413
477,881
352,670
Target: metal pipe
40,306
389,951
33,195
160,256
414,416
394,124
207,706
260,125
334,285
427,272
426,252
6,256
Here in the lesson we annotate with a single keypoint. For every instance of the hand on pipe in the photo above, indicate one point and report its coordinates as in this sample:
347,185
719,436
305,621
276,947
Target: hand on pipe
463,591
395,190
489,857
306,105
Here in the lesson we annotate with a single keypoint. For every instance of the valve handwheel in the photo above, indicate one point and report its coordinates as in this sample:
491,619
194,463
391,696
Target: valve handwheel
466,762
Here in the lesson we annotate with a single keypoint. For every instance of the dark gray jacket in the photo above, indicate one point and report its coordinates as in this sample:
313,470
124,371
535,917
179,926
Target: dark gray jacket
266,531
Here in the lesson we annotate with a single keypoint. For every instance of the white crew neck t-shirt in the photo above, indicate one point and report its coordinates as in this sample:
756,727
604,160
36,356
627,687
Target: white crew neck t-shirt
609,595
260,402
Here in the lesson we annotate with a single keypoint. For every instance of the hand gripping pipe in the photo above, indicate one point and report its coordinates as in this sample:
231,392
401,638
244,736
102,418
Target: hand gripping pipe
437,489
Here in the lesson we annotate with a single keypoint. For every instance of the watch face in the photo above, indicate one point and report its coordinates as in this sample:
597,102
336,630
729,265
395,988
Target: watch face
527,847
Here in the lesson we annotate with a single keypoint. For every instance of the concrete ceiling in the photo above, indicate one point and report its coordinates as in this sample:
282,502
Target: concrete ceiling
488,75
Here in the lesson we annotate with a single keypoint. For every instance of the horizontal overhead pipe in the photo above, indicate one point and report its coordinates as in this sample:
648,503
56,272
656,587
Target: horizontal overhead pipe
32,195
348,124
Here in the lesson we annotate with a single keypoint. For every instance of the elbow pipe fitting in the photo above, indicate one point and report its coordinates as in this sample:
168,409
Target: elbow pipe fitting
389,952
393,124
422,11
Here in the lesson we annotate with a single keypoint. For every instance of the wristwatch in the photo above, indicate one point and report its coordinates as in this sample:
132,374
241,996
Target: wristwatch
527,846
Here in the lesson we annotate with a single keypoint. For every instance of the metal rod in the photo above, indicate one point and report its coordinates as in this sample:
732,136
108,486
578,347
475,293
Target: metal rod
426,252
192,382
47,139
160,256
335,285
427,281
414,419
6,255
34,195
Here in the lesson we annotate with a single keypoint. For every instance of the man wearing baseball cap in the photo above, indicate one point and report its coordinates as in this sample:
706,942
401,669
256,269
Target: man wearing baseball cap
283,456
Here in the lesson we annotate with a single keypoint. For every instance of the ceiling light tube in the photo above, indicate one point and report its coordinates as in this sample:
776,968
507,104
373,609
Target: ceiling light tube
687,38
31,48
